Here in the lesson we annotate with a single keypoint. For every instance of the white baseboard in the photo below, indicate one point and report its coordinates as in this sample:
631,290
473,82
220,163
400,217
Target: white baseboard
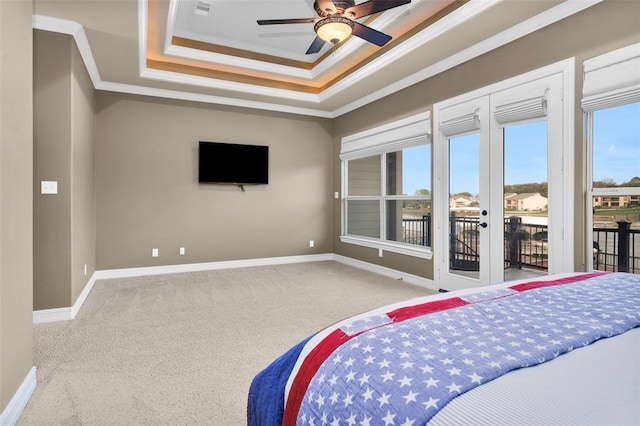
52,315
12,412
387,272
66,314
194,267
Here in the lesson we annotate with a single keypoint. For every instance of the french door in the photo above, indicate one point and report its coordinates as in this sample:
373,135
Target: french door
502,200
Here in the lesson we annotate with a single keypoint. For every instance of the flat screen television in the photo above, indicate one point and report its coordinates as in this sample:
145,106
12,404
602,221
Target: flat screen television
230,163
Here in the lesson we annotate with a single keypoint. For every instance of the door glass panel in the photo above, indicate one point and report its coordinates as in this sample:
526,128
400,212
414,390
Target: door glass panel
526,248
464,202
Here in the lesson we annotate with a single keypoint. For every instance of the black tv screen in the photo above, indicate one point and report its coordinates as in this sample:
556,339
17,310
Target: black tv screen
233,163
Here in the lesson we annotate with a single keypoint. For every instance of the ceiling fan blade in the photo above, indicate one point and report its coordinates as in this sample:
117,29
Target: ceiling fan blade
370,35
326,6
316,45
372,6
286,21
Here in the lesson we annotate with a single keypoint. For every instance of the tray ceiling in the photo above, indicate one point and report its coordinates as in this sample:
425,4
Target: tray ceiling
214,51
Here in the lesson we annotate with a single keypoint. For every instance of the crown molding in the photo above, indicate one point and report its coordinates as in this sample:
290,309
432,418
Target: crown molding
210,99
234,61
173,77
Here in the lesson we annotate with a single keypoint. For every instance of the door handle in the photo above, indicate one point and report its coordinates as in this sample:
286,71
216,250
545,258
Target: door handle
484,224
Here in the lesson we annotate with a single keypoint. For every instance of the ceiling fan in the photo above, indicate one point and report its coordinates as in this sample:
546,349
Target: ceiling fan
337,21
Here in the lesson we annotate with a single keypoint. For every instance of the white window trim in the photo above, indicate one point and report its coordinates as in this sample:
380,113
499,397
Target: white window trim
610,80
396,136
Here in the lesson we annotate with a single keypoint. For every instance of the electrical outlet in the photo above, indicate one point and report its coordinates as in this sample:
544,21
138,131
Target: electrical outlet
85,269
154,252
182,251
379,252
311,243
49,187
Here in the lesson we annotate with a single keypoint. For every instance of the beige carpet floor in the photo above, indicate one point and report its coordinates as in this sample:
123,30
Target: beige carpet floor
181,349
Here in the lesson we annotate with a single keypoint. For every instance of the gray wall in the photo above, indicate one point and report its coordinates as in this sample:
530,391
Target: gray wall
16,207
64,223
52,162
601,28
83,198
148,195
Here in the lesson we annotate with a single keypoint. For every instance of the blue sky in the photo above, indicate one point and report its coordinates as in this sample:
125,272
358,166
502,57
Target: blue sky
616,153
616,150
414,175
464,170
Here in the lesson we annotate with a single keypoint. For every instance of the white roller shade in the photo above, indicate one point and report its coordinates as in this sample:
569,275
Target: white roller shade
461,124
612,79
526,109
405,133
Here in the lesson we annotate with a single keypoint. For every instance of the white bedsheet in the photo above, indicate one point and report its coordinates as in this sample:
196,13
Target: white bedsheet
595,385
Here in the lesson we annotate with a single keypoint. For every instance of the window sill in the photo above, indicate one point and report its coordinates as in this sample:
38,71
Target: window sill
415,251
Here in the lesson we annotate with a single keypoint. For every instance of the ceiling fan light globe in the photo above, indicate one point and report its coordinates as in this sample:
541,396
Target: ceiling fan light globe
334,29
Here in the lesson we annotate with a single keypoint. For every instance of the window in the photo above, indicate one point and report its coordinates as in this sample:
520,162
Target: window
612,108
387,187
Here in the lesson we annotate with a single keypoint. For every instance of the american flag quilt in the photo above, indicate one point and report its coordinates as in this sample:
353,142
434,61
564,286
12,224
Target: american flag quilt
401,366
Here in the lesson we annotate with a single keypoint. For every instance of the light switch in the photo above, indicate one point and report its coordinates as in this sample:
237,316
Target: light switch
49,187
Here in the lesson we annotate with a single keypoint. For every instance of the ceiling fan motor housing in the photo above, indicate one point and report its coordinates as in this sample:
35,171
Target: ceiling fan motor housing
340,7
333,29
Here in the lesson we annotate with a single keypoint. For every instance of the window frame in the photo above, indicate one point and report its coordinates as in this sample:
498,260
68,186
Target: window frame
610,80
383,140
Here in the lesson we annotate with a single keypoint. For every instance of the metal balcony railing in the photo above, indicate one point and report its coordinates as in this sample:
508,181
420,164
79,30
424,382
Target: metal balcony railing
417,231
526,245
617,249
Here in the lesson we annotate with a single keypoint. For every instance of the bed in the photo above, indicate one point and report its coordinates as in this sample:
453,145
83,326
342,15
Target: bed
562,349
